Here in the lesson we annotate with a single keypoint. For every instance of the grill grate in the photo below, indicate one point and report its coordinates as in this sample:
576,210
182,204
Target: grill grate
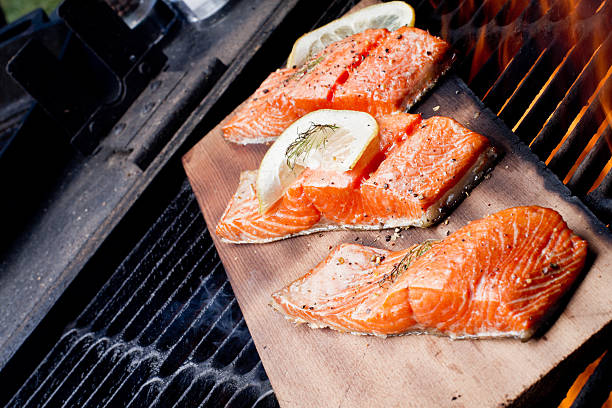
164,331
544,68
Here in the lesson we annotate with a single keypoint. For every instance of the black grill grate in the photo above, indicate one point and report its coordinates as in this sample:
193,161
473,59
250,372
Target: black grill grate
543,68
165,330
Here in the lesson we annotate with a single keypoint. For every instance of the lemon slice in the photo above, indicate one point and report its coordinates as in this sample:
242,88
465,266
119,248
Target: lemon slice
391,15
324,139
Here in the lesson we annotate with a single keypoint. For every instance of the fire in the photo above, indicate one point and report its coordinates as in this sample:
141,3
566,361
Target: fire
579,383
509,44
605,99
482,52
602,96
584,153
508,48
494,36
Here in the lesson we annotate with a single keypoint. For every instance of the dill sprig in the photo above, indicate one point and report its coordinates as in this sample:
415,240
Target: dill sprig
413,254
306,68
315,137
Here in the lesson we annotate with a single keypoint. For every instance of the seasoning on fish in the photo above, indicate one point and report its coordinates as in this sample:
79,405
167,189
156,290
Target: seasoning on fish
375,71
420,171
394,75
499,276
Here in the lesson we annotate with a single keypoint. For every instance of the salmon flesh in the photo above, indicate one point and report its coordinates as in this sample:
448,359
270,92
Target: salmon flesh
421,170
375,71
499,276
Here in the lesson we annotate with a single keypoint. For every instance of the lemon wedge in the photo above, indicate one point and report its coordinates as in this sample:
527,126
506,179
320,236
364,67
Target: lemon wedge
325,139
391,15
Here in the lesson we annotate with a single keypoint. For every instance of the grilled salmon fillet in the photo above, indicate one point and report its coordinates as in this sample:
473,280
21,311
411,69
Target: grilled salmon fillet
375,71
421,169
394,75
499,276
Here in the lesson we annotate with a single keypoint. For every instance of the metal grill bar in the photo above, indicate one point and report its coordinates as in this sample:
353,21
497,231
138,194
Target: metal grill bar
265,400
175,388
605,188
217,335
166,272
148,314
575,143
552,96
147,266
509,13
197,391
247,359
592,165
144,370
577,96
194,315
189,341
95,364
231,346
518,67
147,394
552,93
242,396
220,395
55,377
142,250
530,85
194,343
212,286
180,298
79,391
44,369
113,379
488,74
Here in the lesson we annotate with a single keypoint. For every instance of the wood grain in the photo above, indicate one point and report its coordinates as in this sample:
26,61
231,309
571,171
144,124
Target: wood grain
311,368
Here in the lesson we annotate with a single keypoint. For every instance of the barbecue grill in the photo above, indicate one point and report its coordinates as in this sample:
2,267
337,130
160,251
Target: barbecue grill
112,291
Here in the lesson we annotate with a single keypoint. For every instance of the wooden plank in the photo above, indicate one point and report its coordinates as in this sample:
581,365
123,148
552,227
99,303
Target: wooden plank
325,368
308,367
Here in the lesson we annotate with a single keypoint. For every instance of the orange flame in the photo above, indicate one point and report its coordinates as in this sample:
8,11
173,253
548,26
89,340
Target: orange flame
500,41
508,42
605,98
579,383
482,52
606,104
544,6
467,9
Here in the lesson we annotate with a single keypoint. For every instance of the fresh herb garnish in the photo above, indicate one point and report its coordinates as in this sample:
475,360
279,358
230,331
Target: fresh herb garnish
315,137
412,255
306,68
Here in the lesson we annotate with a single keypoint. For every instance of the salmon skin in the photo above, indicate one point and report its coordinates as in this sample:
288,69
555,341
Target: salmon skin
499,276
375,71
421,170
